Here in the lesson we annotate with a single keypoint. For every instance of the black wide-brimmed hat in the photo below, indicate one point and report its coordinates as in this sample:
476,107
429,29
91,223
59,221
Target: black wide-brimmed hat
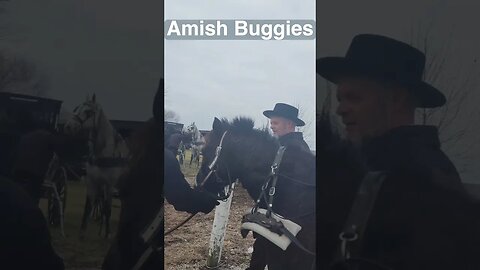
286,111
386,59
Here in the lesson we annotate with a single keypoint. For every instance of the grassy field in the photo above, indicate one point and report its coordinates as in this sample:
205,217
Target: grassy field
89,252
189,171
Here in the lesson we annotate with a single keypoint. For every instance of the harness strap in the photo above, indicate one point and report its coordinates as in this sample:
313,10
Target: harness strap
272,176
354,228
154,227
217,152
294,240
275,167
148,236
145,255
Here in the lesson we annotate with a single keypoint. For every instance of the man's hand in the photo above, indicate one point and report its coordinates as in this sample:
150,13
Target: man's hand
203,202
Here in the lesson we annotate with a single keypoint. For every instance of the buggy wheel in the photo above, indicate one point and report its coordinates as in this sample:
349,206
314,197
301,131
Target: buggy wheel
56,210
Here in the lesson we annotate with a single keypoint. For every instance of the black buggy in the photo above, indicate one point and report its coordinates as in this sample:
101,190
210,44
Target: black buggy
42,112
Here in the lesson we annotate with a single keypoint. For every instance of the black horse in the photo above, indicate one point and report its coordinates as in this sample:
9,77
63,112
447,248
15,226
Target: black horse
247,154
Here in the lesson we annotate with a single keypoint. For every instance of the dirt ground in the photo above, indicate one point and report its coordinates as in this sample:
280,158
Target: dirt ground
187,247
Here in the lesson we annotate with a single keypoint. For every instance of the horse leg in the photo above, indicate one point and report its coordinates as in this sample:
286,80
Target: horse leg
101,209
107,210
90,199
86,214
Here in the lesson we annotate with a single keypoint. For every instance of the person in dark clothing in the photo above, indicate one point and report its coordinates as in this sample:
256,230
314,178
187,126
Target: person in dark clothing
179,193
174,142
283,121
422,217
33,155
177,190
24,237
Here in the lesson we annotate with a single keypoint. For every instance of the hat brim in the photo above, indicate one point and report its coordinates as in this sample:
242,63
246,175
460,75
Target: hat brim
269,114
334,69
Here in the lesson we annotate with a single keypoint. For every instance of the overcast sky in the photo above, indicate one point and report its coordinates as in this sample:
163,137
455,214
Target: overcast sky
114,47
451,22
213,78
110,47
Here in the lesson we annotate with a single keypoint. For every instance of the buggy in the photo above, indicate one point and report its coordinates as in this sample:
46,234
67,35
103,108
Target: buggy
43,112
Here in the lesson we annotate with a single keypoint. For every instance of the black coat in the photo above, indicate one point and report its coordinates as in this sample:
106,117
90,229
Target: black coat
423,218
24,237
179,193
294,139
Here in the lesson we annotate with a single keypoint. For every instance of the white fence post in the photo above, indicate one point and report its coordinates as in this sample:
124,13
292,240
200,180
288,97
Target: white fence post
219,228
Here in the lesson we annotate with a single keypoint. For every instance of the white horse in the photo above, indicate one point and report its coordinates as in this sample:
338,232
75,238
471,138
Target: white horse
198,142
107,160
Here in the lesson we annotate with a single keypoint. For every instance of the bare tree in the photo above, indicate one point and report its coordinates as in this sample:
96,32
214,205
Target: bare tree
309,121
171,116
17,75
456,83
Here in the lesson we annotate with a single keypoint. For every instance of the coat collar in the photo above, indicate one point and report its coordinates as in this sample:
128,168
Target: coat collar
291,136
396,145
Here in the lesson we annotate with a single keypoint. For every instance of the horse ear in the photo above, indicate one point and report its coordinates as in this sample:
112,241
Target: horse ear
93,98
217,124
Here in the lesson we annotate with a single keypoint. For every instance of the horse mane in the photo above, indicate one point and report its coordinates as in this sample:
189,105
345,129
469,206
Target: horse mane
242,125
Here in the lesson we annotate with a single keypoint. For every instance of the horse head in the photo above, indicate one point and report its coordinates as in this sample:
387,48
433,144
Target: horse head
85,118
231,150
213,170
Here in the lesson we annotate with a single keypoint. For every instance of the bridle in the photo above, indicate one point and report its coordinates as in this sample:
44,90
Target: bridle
213,169
92,134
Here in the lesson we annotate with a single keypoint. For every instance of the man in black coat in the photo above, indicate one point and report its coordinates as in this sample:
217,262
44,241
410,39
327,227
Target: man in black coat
422,217
283,121
179,193
24,237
